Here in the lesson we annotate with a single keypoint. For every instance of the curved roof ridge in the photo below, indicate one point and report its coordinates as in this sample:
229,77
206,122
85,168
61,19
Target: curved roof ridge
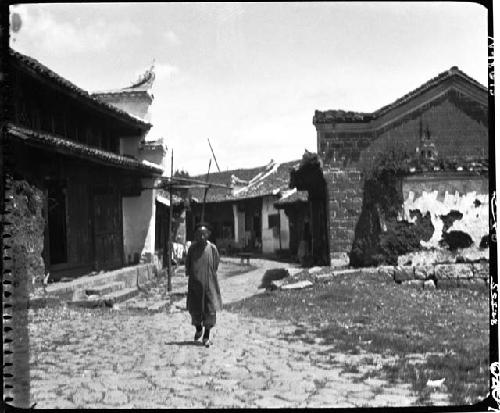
143,84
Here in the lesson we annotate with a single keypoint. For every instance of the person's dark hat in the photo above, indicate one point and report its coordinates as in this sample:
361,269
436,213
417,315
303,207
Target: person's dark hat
203,224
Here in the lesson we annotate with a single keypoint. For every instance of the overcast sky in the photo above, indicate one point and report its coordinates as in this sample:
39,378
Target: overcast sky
250,75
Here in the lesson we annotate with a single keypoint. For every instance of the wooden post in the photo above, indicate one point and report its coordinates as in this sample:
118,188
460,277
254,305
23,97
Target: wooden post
205,193
171,212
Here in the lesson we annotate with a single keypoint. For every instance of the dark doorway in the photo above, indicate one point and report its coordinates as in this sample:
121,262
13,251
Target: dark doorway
309,177
57,217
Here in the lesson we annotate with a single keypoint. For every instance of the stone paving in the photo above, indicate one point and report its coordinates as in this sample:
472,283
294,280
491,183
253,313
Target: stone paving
117,359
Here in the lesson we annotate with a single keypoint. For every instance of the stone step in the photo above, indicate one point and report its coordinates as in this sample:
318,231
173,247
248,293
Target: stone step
106,300
105,289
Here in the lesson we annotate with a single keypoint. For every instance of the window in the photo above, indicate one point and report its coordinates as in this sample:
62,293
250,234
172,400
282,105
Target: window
273,221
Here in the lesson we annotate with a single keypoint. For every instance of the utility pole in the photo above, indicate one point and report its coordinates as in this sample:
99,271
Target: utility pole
171,212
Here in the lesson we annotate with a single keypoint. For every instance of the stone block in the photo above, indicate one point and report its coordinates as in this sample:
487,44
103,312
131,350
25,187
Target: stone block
481,270
429,285
424,272
339,259
292,272
463,270
403,273
404,260
445,283
414,283
473,283
324,277
450,271
387,271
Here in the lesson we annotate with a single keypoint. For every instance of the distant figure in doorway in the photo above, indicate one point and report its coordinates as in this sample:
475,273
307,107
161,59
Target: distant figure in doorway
203,299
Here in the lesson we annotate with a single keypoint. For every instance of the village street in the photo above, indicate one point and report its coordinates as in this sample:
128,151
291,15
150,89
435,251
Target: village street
118,359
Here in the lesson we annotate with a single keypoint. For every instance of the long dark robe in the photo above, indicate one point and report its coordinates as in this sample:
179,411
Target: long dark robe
203,299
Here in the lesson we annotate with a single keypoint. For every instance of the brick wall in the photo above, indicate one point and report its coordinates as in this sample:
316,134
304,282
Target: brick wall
455,135
345,192
348,152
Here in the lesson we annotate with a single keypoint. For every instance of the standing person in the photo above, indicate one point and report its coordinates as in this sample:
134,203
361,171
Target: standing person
203,299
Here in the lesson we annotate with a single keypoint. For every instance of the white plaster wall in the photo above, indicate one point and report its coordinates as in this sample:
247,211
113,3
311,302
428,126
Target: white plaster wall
130,146
285,230
270,243
440,198
235,217
139,224
135,105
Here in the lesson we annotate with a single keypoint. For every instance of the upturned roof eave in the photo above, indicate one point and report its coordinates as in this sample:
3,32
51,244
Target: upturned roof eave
33,66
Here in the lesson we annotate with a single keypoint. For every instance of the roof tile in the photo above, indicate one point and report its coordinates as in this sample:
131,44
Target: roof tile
343,116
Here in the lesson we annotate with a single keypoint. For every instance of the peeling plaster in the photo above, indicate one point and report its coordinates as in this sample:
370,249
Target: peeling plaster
474,221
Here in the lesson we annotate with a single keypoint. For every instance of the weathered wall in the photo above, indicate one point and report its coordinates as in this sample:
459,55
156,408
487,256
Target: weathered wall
349,150
271,238
456,205
27,232
137,105
138,212
139,226
345,197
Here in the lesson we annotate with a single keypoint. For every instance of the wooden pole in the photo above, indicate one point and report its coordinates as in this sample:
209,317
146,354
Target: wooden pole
171,212
213,154
205,194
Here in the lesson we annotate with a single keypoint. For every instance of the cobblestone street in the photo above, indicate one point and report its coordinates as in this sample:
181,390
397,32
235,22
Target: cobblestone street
120,359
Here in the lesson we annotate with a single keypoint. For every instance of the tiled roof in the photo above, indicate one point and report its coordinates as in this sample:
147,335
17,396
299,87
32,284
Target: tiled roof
339,115
271,179
348,116
84,95
142,85
61,145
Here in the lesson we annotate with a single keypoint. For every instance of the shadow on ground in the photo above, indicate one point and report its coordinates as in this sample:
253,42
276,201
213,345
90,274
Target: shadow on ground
184,343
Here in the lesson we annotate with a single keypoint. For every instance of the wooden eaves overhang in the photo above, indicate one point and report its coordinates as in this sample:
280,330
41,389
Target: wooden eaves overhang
42,73
187,183
64,146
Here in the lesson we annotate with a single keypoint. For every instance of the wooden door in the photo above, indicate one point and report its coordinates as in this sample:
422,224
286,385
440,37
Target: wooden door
108,245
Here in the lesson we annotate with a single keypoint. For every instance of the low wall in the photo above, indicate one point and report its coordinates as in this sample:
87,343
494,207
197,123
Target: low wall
133,276
468,275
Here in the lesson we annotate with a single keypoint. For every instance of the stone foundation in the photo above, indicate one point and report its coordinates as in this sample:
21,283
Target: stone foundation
471,276
132,276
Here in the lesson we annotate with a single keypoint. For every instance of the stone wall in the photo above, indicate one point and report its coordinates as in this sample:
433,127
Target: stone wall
474,275
27,233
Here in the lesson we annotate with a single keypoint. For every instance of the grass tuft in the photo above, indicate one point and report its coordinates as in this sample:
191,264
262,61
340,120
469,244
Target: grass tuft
354,313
